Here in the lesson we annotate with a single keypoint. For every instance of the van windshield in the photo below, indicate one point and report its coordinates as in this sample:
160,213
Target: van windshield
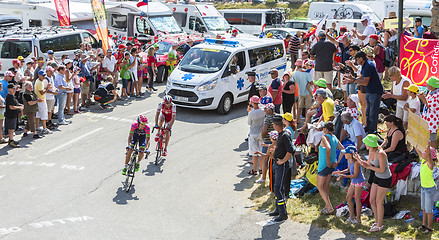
166,24
217,23
13,49
204,60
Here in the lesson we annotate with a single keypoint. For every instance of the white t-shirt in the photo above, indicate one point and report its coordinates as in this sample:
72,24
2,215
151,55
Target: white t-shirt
109,63
49,96
415,103
2,110
370,29
397,90
354,130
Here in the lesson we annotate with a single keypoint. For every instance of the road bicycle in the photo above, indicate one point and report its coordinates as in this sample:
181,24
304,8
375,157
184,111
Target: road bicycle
160,142
131,169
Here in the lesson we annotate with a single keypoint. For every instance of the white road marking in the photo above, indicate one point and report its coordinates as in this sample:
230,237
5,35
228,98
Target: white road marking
152,110
72,141
89,114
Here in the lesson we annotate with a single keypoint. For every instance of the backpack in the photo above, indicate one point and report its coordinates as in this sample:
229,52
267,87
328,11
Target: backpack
389,54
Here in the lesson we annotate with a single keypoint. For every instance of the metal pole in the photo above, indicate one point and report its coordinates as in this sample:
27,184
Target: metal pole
400,18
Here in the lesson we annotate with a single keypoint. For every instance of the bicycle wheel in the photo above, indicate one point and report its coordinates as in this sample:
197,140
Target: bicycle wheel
130,173
158,150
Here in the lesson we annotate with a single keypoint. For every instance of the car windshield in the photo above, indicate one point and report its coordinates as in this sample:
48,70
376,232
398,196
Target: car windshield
13,49
217,23
204,60
163,48
166,24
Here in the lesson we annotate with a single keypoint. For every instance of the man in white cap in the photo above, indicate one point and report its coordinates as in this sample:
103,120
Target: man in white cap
369,29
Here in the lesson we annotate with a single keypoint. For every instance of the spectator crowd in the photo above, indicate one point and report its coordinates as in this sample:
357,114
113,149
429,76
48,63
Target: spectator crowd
334,99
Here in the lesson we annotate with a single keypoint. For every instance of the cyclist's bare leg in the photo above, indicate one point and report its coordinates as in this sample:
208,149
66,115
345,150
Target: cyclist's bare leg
140,157
167,139
160,123
128,156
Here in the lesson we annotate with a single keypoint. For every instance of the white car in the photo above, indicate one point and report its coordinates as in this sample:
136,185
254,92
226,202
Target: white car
281,33
212,74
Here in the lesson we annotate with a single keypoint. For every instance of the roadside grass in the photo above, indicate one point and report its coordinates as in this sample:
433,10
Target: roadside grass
294,10
307,210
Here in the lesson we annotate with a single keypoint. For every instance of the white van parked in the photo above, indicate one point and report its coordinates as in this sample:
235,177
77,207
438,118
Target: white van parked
212,74
145,22
201,18
35,42
344,10
252,21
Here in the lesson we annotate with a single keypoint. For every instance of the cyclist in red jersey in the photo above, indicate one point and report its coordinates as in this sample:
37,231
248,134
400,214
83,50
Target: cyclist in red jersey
139,133
166,112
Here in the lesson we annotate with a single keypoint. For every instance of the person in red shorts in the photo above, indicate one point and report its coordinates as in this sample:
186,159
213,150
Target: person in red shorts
165,117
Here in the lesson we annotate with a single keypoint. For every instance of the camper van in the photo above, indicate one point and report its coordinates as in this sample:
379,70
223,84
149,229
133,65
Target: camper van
212,74
35,42
344,10
145,22
201,18
42,13
253,21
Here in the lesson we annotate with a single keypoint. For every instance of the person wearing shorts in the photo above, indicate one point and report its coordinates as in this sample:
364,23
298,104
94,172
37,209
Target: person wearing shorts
13,109
139,134
105,94
381,181
42,86
255,121
165,118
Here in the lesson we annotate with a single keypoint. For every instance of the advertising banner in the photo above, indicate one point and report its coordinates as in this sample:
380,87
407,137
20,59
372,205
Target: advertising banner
63,11
419,59
100,20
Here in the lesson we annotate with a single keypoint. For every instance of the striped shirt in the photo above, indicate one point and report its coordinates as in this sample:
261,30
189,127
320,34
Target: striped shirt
294,45
269,122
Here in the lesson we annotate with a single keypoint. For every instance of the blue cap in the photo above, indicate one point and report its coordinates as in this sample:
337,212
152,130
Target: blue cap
50,52
349,149
42,73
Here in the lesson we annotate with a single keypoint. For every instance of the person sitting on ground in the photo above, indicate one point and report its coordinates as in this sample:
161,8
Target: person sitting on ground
105,94
428,187
356,186
352,105
327,163
380,178
352,130
395,143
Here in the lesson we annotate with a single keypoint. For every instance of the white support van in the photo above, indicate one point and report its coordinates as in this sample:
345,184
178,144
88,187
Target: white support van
252,21
200,18
342,10
145,22
35,42
212,74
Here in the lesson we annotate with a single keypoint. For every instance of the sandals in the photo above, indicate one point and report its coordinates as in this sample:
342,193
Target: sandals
422,227
327,212
260,171
375,228
427,230
253,172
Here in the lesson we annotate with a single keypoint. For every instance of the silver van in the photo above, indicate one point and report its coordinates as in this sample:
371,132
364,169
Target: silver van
35,42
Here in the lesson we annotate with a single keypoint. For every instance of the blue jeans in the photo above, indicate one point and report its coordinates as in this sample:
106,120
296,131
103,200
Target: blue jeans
62,98
351,88
372,110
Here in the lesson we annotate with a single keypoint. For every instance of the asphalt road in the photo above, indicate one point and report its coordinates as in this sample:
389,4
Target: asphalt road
68,185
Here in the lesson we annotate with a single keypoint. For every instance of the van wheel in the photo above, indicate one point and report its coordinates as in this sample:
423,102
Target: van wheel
225,105
162,74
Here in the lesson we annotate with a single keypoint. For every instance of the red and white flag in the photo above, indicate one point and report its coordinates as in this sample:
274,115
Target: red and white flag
63,11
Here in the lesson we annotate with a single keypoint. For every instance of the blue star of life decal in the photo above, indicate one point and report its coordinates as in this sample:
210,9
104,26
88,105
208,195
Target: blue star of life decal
240,83
188,76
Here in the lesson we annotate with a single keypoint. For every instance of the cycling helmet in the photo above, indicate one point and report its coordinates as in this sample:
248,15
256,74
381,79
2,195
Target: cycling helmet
142,119
167,99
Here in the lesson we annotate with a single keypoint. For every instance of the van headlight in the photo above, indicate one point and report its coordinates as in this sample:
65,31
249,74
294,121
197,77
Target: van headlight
207,86
169,83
